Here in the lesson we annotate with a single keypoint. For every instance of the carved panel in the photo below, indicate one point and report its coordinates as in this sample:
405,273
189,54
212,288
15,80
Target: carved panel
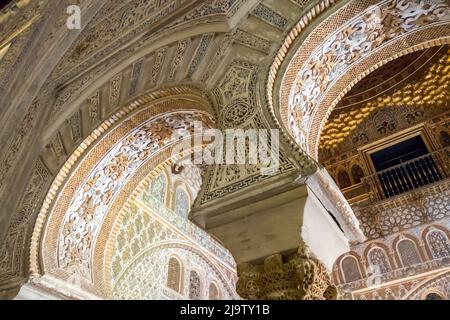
94,109
135,76
253,41
157,66
114,91
75,127
199,54
268,15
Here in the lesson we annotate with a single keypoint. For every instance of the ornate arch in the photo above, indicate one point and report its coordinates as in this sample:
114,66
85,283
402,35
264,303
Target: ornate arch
82,201
166,187
376,252
339,270
415,243
179,275
385,251
313,71
185,246
428,231
440,281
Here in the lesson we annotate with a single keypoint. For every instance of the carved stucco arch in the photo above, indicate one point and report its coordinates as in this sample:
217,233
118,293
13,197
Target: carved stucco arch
219,275
429,285
419,246
151,109
316,31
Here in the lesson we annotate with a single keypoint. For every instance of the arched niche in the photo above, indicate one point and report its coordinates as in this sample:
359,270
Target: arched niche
408,252
437,242
350,269
175,271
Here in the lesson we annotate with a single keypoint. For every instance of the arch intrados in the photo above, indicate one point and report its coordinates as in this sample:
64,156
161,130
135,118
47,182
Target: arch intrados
157,104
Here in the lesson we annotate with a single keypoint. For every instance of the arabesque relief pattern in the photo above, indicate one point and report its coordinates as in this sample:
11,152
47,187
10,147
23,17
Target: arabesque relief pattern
375,27
90,204
299,277
125,52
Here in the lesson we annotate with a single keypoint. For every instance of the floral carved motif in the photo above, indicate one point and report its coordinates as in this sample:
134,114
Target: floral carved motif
90,203
355,40
301,278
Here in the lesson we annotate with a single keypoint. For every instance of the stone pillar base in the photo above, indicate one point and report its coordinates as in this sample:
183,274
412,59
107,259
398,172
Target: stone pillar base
297,277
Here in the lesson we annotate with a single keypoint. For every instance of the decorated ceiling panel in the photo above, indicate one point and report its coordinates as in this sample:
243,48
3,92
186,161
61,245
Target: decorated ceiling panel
405,92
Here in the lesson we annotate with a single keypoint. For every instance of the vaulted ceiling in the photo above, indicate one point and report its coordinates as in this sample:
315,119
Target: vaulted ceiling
417,83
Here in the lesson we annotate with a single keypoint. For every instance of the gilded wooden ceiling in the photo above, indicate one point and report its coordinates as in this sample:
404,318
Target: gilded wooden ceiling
418,80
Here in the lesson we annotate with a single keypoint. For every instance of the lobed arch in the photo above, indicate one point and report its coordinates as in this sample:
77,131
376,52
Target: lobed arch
158,113
303,113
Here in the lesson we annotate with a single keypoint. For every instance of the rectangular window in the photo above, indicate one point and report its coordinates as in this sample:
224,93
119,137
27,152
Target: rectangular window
405,166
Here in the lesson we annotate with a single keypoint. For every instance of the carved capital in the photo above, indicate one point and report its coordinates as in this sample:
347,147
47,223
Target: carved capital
296,277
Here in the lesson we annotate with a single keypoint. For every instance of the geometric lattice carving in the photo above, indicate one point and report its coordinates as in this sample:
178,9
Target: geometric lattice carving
194,286
408,253
158,188
174,274
439,244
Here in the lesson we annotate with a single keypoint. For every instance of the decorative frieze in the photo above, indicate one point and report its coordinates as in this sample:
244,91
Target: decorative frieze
270,16
199,54
298,277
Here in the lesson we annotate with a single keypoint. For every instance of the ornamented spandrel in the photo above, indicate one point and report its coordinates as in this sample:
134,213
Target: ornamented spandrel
298,277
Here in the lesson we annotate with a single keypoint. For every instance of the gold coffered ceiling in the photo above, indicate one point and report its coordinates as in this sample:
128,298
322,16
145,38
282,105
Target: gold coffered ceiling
420,79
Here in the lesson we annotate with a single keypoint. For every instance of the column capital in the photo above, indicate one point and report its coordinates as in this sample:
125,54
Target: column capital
294,277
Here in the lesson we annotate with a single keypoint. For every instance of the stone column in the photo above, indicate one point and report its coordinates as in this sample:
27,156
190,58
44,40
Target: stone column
271,229
294,277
